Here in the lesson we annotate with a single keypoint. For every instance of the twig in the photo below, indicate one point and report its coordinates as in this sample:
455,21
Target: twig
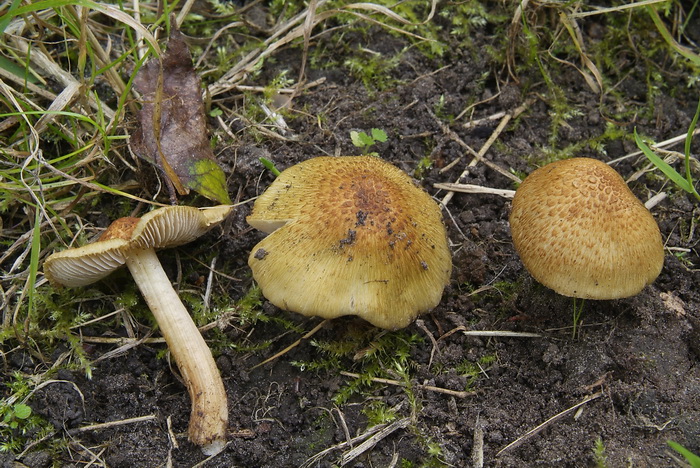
349,443
474,123
478,445
421,324
661,144
398,383
262,89
502,334
372,441
479,157
487,119
601,11
655,200
490,333
97,319
536,430
293,345
124,348
210,281
108,425
121,340
470,188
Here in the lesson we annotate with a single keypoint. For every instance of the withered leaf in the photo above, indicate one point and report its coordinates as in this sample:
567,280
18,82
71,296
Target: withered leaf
172,132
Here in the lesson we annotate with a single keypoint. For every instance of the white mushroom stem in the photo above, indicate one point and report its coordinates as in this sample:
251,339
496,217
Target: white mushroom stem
209,416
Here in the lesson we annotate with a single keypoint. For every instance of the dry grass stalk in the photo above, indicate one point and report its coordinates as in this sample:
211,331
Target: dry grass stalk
536,430
479,156
371,436
108,425
398,383
293,345
471,188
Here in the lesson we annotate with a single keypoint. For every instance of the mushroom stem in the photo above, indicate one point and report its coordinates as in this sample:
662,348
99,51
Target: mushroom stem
209,416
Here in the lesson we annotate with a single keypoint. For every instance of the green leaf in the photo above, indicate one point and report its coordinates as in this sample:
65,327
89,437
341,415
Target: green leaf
366,139
22,411
357,140
661,28
5,21
690,457
15,69
207,178
379,135
689,142
668,171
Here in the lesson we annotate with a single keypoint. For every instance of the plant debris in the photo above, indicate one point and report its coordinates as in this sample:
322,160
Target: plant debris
172,132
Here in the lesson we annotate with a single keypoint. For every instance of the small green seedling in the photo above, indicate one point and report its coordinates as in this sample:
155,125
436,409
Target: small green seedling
270,166
686,183
18,412
689,456
364,141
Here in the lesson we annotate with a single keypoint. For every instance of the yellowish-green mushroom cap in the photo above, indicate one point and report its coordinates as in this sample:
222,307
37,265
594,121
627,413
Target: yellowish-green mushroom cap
580,231
350,235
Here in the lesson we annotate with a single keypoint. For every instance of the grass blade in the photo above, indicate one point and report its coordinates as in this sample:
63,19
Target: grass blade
668,171
693,459
689,141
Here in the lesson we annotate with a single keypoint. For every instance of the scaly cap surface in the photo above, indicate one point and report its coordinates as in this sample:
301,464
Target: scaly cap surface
580,231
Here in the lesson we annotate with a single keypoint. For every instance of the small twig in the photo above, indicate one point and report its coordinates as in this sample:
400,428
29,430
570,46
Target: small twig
661,144
97,319
124,348
108,425
471,188
210,281
536,430
369,444
502,334
262,89
421,324
344,426
349,443
171,434
487,119
473,123
293,345
398,383
478,445
479,157
655,200
601,11
490,333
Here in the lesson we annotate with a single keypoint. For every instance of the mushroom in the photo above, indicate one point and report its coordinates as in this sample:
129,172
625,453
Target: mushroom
350,235
580,231
132,241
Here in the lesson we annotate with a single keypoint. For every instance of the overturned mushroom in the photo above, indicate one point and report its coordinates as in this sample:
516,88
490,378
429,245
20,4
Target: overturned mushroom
350,236
580,231
132,241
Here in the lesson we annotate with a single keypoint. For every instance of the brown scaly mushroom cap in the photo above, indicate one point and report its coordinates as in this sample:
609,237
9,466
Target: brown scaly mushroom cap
580,231
350,235
132,241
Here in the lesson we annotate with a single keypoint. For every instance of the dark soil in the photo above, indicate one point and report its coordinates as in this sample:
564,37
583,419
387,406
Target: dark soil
637,357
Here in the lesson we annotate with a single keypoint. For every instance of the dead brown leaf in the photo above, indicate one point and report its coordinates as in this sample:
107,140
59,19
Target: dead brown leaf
172,131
